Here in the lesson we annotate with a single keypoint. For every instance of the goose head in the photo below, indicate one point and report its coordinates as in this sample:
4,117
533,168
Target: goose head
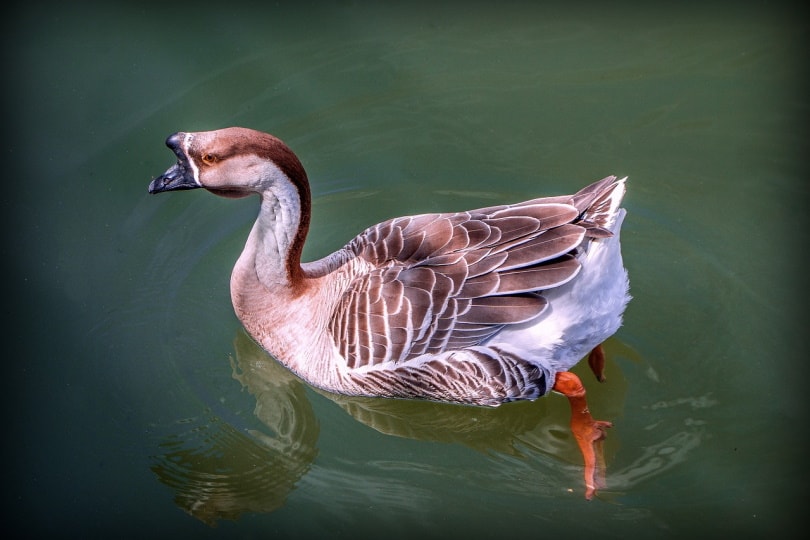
232,162
236,162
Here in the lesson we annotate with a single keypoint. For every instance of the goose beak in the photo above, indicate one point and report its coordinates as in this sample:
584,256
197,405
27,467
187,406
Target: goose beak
179,176
176,178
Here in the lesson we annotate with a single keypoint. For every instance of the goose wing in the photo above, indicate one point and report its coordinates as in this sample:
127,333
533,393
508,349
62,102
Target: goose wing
446,281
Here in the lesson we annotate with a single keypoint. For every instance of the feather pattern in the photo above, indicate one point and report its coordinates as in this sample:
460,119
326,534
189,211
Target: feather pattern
451,281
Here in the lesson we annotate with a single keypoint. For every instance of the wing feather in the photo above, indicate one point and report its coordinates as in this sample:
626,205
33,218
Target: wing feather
544,247
539,277
483,261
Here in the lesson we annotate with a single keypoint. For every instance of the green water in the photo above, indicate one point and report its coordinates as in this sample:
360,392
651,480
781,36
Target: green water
135,405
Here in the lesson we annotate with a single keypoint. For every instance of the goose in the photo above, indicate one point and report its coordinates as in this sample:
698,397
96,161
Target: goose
481,307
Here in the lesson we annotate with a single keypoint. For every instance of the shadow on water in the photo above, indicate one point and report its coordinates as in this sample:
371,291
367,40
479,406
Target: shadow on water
219,471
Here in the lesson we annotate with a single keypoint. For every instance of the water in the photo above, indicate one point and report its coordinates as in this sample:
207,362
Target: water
138,407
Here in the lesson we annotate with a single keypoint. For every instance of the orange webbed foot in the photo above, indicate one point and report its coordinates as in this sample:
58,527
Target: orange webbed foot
589,433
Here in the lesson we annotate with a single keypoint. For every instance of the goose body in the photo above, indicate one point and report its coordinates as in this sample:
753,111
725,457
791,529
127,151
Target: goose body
480,307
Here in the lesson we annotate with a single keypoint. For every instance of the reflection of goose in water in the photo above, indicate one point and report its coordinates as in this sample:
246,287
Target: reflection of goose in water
218,471
221,472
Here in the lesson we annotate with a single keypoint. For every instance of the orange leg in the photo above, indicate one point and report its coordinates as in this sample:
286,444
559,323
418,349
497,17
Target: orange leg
588,432
597,362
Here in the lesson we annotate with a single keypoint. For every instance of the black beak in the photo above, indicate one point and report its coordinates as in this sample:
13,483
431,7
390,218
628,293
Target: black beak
179,176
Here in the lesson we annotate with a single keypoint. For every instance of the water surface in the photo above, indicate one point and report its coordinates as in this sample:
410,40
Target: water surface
138,406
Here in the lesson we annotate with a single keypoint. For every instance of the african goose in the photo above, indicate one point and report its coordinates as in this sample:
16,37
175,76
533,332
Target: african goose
480,307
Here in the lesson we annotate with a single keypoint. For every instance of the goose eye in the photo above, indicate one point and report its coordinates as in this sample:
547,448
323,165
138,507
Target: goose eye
208,159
